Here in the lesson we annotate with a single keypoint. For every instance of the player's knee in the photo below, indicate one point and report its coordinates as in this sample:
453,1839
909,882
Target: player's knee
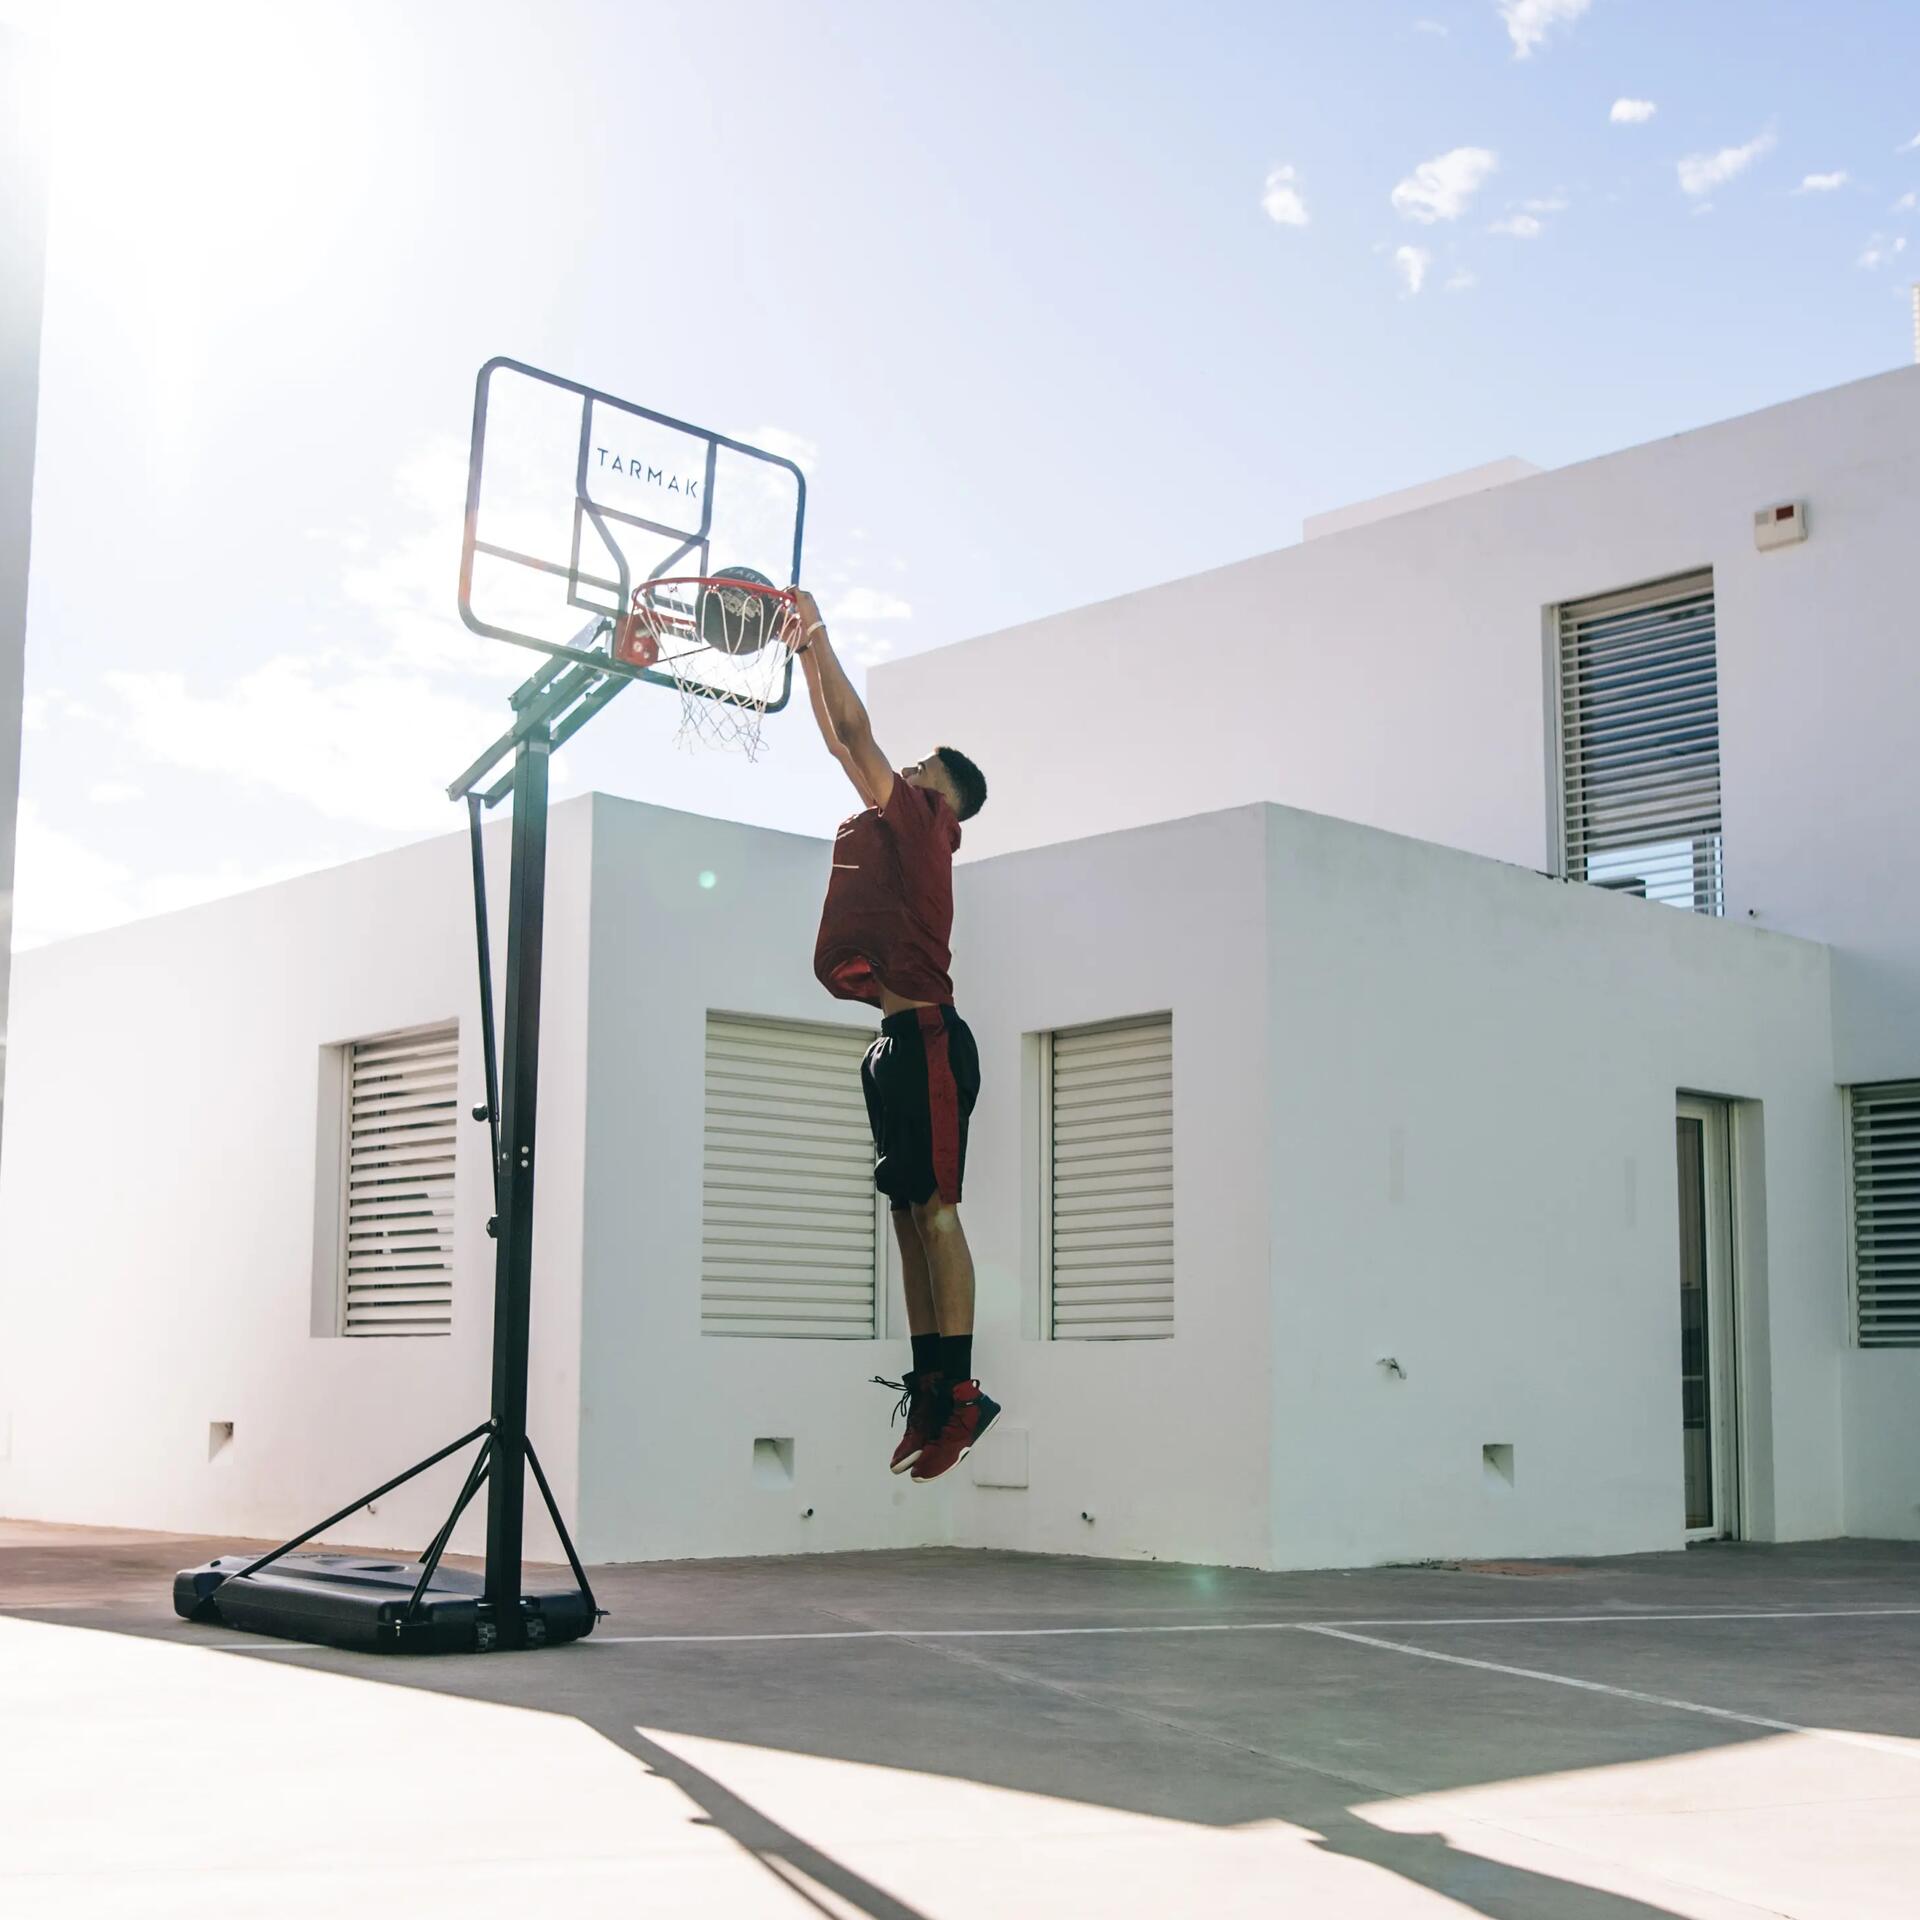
935,1216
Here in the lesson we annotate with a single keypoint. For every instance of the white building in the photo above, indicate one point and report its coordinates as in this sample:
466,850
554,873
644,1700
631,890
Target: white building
1412,1177
22,269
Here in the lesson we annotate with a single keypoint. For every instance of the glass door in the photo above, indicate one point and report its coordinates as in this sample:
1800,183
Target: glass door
1708,1417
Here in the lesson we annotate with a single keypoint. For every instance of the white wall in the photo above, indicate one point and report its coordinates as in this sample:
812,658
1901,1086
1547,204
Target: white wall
1474,1074
668,1416
1334,990
1167,918
1164,1442
22,255
1882,1439
1394,675
157,1207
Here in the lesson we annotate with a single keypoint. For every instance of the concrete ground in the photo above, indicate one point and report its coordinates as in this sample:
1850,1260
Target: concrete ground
1729,1732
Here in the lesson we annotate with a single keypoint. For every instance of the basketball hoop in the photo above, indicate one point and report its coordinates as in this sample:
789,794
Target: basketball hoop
720,638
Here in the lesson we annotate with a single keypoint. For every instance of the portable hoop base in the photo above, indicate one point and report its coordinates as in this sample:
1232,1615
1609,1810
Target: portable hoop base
367,1604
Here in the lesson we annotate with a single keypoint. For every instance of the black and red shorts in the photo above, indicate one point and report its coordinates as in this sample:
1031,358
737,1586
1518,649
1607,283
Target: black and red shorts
921,1078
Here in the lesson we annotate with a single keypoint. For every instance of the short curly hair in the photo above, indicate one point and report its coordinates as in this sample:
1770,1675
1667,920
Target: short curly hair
969,782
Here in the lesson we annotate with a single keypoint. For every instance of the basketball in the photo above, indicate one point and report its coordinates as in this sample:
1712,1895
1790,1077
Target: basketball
738,620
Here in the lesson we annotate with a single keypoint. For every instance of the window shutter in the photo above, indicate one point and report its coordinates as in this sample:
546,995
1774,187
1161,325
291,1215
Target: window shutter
790,1242
1108,1233
1640,743
1884,1168
402,1119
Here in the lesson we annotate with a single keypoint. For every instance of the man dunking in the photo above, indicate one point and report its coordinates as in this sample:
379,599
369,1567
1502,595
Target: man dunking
884,939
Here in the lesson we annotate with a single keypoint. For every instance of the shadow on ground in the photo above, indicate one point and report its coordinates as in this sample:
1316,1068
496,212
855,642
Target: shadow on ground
949,1664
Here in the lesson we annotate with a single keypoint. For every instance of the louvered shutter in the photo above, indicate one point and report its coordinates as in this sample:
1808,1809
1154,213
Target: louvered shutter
1884,1168
1108,1233
1640,743
790,1241
402,1119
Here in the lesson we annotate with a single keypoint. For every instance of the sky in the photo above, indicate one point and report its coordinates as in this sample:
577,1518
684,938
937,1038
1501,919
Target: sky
1051,300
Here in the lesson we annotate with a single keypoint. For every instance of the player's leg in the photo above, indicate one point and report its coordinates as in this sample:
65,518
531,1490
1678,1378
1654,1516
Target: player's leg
917,1286
953,1085
919,1398
948,1086
949,1264
967,1410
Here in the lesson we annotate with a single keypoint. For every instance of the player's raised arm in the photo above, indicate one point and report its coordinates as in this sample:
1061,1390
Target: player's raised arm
840,712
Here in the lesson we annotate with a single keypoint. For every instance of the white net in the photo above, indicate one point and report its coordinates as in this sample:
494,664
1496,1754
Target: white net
723,641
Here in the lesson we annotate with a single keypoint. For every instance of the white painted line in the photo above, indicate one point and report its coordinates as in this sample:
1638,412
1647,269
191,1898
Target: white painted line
1867,1740
1629,1619
1223,1626
264,1644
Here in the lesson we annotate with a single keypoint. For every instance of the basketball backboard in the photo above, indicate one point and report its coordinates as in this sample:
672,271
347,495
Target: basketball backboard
574,498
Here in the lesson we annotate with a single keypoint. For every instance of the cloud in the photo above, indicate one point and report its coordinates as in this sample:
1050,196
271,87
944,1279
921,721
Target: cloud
1524,222
1702,172
850,612
864,649
1632,113
1412,264
1823,182
1460,281
1430,26
1439,189
1906,203
868,603
1879,250
356,739
403,581
1529,21
1910,146
789,446
65,888
1282,200
112,793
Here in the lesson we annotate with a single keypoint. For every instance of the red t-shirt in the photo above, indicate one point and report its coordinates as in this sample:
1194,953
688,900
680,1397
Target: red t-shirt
889,912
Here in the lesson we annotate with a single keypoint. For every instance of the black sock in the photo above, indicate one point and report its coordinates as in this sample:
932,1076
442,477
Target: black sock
956,1357
926,1353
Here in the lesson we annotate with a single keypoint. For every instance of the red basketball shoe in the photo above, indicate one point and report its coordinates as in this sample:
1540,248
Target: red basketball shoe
969,1414
920,1402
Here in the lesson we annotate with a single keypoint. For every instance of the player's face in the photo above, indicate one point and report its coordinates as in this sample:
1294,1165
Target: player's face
932,775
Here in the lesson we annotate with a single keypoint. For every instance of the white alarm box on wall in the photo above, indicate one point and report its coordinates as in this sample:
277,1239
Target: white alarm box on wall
1780,526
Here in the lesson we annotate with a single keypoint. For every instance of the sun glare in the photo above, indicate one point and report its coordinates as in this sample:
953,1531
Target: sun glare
204,164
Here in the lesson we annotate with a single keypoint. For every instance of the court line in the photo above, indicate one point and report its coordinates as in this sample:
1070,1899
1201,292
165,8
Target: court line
267,1644
1867,1740
1230,1626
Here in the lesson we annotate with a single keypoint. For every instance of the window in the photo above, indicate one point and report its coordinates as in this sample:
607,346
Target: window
1640,743
1883,1169
400,1113
1106,1242
790,1241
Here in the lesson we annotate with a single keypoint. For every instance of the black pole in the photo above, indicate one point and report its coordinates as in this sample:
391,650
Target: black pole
526,899
490,1057
430,1560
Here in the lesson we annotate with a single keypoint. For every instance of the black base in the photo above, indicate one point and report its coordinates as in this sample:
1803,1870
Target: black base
355,1601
